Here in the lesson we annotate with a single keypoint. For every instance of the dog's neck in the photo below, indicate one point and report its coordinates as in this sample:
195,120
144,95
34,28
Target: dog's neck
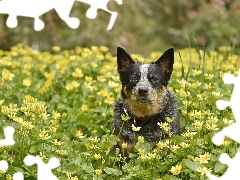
128,112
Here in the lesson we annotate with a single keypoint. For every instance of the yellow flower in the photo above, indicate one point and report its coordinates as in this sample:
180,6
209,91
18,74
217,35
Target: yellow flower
226,143
124,145
79,134
69,87
98,172
124,117
44,115
75,84
184,145
101,78
27,82
169,120
228,122
103,92
89,79
94,65
135,129
44,135
174,148
141,151
97,156
84,107
55,114
8,177
61,152
152,155
140,139
103,48
175,170
70,177
198,125
6,77
56,142
211,127
165,126
1,102
189,134
208,76
56,48
77,73
203,170
196,72
203,159
109,100
162,144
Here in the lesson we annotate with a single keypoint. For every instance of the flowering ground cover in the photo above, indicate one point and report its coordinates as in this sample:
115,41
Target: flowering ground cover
61,105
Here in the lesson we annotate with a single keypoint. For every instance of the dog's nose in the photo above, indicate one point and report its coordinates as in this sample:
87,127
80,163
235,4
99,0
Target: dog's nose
143,91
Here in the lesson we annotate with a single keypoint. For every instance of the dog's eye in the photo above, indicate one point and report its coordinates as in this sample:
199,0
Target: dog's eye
153,80
134,79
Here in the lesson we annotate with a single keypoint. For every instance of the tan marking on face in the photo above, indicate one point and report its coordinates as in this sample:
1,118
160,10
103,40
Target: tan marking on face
150,75
147,109
138,74
125,91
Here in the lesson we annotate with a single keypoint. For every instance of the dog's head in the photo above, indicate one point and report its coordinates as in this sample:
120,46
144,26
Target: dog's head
143,85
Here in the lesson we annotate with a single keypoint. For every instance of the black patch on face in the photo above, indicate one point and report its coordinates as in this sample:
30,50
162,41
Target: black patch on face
156,76
130,77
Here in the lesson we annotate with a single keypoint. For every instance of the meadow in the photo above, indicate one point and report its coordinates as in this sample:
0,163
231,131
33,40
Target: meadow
61,105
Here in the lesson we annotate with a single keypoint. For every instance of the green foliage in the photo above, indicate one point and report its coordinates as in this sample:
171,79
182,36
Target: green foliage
61,105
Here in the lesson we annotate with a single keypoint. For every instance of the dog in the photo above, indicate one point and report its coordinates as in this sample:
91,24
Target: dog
145,99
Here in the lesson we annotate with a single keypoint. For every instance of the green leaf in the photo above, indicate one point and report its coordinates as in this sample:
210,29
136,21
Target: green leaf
111,141
87,168
219,167
33,149
169,177
74,112
17,169
83,120
55,98
112,171
192,165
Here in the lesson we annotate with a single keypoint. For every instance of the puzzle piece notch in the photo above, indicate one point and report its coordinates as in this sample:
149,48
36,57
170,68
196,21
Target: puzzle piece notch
233,167
101,4
43,170
8,141
18,176
36,8
3,165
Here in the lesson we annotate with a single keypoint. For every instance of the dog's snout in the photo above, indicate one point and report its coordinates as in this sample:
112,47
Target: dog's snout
143,91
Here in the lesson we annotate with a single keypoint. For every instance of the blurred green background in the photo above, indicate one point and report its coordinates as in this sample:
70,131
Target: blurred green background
142,26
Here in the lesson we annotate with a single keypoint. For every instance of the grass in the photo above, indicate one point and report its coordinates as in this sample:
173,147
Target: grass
61,105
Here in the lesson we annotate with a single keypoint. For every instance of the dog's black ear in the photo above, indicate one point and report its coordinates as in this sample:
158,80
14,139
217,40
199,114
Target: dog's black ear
166,61
123,60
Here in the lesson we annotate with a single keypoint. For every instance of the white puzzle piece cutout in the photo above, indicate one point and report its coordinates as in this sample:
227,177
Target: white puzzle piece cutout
232,131
35,8
44,171
100,4
8,141
233,167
